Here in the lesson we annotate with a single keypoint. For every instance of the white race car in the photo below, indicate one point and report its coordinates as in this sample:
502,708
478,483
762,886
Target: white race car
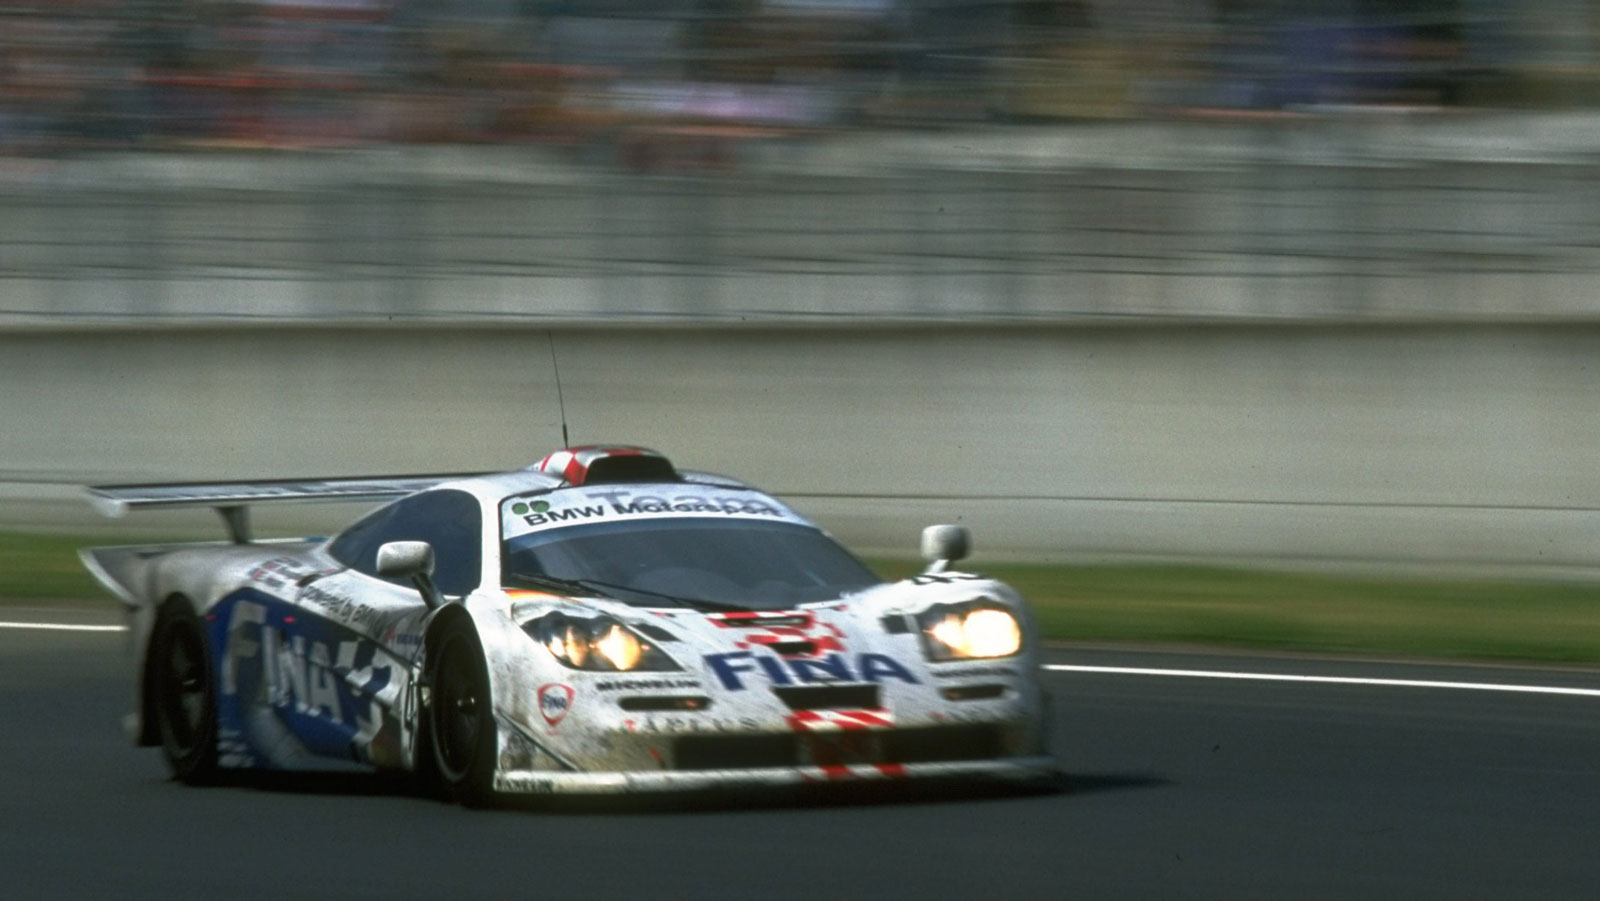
598,622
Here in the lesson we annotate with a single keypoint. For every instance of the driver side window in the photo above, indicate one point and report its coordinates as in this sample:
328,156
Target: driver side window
447,519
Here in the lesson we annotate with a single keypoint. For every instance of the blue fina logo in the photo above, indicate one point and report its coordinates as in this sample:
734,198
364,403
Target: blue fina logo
833,668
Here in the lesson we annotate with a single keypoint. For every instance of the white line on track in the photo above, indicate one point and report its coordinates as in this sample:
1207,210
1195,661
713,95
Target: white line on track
63,627
1332,680
1131,671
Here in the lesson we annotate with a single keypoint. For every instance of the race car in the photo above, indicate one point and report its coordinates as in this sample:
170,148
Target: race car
600,622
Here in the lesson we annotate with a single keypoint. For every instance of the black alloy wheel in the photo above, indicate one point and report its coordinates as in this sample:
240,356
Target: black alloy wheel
461,729
184,694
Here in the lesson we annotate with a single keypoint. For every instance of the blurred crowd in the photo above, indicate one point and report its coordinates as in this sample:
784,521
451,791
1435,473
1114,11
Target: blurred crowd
641,79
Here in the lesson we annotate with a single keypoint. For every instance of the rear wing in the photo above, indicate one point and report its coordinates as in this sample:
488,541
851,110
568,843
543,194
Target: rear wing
232,500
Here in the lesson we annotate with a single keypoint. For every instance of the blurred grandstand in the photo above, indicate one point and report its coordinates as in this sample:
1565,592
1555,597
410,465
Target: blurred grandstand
645,78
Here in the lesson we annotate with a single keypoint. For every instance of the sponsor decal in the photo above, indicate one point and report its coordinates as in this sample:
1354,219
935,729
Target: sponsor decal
279,572
407,639
618,502
555,702
728,506
341,607
665,725
730,669
646,684
329,687
562,515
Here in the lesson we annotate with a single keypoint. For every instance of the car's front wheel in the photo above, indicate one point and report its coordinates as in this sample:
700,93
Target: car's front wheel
183,694
461,729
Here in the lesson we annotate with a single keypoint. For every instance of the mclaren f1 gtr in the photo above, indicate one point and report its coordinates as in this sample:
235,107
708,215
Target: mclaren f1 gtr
598,622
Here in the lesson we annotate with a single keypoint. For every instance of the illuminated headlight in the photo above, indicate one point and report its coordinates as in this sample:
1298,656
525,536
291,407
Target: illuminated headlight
969,631
601,644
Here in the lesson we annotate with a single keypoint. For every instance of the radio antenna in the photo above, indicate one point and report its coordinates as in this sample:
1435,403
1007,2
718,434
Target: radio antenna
565,442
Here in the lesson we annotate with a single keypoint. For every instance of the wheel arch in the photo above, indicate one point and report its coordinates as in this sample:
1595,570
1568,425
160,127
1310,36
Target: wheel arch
446,618
499,638
456,618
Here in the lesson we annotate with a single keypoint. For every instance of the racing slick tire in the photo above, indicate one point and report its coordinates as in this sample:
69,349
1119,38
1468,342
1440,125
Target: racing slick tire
183,694
461,732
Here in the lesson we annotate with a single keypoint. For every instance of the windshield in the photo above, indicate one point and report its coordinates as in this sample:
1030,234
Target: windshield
683,560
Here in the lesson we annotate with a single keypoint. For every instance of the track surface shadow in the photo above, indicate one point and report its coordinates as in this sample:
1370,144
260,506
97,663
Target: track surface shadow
1088,783
355,785
858,794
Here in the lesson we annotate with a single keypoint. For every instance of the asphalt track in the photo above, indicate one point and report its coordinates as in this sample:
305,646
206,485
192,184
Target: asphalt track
1173,787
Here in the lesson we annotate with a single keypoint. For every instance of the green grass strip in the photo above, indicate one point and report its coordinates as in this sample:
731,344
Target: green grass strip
1503,619
45,566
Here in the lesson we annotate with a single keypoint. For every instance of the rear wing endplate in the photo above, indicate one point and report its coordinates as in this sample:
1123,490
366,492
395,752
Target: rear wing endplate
232,500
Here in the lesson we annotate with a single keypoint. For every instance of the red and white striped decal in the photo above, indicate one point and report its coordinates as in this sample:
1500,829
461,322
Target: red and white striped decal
755,631
840,720
833,736
573,463
840,772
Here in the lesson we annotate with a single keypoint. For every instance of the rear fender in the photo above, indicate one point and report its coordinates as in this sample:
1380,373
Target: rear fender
143,578
129,574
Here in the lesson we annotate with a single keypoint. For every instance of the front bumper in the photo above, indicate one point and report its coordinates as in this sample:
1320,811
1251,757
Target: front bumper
1012,770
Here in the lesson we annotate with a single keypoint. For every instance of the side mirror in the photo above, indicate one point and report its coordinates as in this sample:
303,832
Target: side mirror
410,560
405,559
944,545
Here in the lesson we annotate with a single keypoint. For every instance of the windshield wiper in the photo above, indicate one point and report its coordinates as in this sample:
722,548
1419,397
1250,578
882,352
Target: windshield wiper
570,586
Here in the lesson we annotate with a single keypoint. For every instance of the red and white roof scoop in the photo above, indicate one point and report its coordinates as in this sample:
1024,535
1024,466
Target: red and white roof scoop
598,464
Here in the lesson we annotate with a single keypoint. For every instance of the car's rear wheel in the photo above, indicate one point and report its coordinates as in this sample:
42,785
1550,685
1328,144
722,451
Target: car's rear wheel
184,694
461,729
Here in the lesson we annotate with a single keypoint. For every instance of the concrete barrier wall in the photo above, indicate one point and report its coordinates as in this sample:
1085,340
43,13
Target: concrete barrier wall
369,237
1378,444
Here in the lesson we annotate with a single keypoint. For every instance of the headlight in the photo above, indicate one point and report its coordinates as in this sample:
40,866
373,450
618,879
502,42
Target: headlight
600,644
621,648
969,631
